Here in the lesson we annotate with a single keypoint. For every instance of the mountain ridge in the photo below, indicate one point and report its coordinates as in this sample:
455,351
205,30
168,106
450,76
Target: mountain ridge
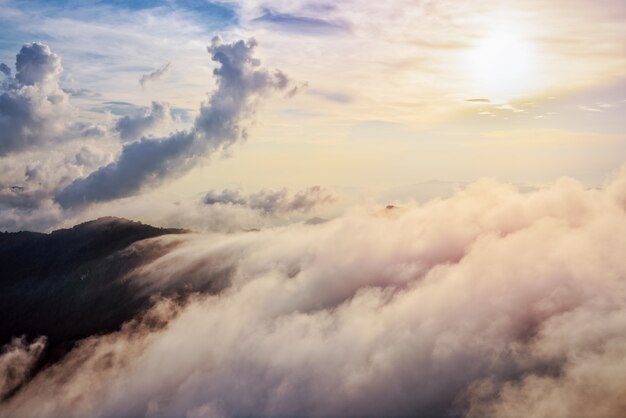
69,284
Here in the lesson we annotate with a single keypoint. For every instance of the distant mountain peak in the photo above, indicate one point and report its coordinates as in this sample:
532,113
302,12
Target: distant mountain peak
112,222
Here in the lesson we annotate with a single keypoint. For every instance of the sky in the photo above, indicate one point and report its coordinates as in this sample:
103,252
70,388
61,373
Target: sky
398,208
370,103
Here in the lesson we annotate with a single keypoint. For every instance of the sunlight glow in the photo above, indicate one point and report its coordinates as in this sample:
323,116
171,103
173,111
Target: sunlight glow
503,63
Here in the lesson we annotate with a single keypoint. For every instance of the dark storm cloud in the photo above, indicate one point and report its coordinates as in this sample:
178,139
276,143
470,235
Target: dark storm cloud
241,83
132,127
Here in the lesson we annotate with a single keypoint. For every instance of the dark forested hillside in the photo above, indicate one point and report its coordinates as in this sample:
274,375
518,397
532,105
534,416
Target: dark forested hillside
70,284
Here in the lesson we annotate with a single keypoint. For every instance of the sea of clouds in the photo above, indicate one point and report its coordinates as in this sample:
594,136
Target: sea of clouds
491,302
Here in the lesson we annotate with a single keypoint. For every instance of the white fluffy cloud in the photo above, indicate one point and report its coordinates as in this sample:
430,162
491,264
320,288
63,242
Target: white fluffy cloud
33,109
39,133
490,302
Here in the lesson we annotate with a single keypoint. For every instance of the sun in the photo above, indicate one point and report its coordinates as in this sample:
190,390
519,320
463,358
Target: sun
503,63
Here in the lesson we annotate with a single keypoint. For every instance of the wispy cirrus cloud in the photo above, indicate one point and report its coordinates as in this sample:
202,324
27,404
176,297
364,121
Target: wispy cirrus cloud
155,75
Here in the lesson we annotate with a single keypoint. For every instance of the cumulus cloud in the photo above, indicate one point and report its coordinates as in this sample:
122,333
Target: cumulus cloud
146,160
33,109
29,180
491,302
241,83
36,64
272,201
132,127
155,75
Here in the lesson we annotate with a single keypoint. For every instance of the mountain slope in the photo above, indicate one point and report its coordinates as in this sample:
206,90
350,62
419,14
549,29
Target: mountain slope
69,284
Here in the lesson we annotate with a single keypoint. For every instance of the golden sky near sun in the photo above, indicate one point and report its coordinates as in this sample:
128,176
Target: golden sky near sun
420,93
390,93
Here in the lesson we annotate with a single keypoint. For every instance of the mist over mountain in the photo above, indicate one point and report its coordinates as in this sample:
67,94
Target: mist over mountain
493,302
73,283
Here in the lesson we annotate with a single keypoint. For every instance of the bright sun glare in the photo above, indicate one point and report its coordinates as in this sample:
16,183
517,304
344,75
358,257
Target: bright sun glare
502,63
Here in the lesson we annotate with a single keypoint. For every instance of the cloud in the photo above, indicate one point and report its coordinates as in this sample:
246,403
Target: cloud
272,201
226,196
491,302
17,196
478,100
30,179
333,96
16,361
241,82
589,109
301,24
82,93
33,109
117,108
141,162
88,157
132,127
5,69
155,75
192,214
